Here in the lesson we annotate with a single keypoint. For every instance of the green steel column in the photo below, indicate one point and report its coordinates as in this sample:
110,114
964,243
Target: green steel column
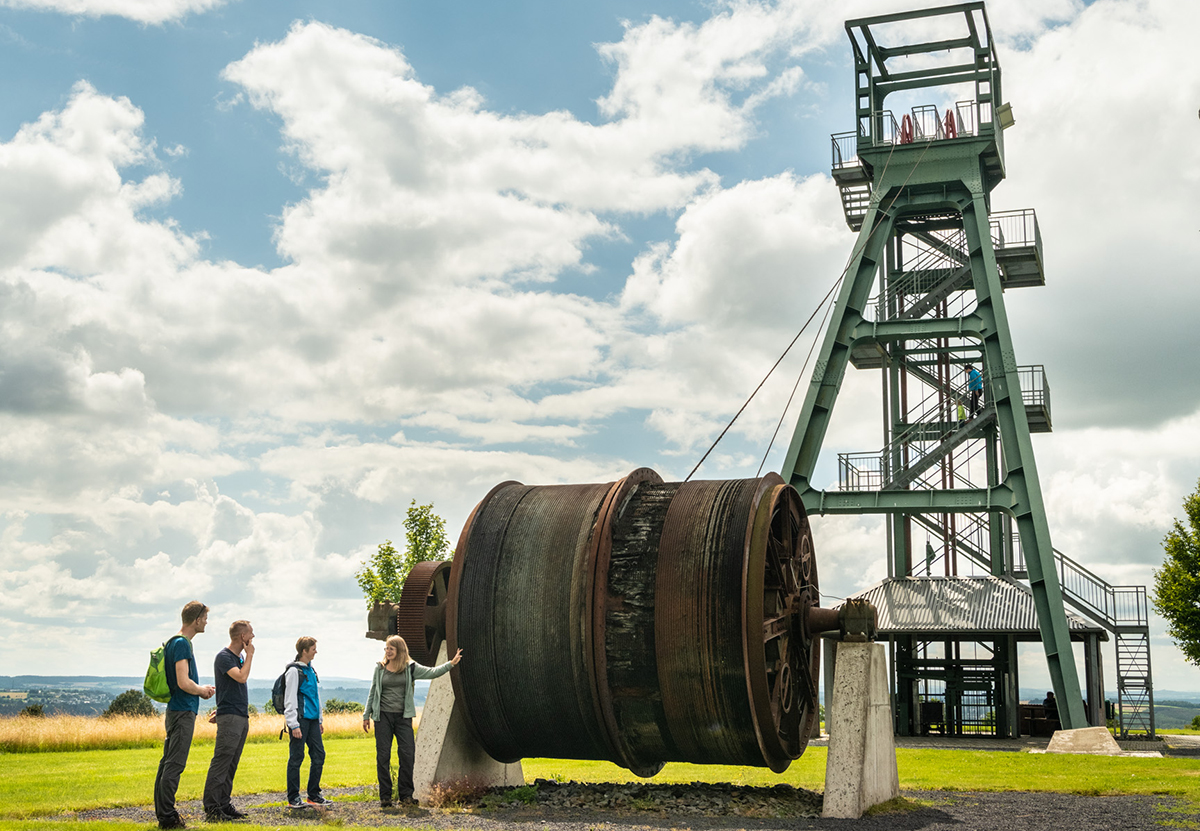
831,364
1002,386
995,521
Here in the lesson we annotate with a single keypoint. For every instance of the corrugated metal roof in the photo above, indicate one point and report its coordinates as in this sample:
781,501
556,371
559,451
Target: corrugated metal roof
915,605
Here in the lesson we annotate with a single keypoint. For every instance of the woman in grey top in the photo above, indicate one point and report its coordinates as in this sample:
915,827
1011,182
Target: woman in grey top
390,704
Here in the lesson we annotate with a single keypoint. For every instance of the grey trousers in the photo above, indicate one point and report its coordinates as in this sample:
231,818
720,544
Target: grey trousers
231,738
180,725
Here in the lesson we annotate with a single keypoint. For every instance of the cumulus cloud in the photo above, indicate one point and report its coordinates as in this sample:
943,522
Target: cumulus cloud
154,12
171,425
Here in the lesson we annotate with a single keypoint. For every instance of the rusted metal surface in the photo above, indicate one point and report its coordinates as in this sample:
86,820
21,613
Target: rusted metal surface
781,595
637,621
381,620
421,612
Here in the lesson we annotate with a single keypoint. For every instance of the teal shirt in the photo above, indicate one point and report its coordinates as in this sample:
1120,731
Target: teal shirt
178,649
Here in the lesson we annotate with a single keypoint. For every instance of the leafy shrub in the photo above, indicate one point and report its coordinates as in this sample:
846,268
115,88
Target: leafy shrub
269,709
1196,723
34,711
336,705
510,797
131,703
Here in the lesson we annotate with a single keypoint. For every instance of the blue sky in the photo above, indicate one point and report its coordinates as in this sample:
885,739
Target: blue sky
270,271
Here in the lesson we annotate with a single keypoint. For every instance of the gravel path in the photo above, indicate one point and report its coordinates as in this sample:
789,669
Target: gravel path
705,806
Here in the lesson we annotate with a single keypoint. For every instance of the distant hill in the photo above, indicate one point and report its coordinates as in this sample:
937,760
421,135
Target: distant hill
91,694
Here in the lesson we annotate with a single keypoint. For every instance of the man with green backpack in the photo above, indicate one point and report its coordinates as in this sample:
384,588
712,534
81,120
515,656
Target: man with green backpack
183,681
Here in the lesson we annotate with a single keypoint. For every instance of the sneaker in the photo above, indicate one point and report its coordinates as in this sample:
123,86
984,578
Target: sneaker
410,802
234,813
295,802
174,822
385,804
319,801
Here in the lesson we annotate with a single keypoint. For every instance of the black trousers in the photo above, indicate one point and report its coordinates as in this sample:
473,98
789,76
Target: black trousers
387,726
231,738
310,736
180,725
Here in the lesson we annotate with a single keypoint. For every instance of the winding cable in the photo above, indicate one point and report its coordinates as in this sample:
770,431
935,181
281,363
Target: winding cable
854,253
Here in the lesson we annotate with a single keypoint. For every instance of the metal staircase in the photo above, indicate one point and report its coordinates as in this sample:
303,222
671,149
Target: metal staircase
1124,611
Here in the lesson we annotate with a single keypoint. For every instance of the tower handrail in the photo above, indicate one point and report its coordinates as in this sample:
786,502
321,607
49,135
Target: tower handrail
845,150
1113,607
870,470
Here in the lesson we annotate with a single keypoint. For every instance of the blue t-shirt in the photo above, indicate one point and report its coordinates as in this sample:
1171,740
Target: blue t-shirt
974,380
232,697
180,649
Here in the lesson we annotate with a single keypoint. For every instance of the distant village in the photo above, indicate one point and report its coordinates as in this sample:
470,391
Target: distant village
90,696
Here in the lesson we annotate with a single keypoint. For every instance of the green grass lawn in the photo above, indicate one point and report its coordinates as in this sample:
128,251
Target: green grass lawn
43,784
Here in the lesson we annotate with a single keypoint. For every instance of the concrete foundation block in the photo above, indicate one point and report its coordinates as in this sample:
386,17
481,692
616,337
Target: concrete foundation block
1096,741
860,770
446,751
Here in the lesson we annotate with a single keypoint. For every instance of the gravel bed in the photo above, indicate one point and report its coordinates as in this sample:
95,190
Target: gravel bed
576,806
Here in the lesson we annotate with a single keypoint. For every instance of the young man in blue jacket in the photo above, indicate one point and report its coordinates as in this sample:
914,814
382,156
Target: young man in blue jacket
302,712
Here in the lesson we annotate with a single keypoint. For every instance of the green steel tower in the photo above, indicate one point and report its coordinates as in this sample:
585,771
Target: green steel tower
957,470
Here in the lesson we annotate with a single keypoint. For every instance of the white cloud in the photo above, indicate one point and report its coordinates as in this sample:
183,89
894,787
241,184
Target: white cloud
154,12
172,426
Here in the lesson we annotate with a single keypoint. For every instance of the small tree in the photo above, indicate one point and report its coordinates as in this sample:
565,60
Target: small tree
131,703
269,709
336,705
34,711
1176,593
382,576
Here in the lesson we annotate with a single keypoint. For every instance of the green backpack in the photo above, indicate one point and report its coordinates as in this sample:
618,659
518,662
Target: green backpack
156,686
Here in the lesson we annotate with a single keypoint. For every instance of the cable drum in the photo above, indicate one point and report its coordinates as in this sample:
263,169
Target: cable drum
637,621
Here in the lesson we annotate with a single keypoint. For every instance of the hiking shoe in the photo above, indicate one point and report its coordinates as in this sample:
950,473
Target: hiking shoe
234,813
295,802
319,801
216,816
174,822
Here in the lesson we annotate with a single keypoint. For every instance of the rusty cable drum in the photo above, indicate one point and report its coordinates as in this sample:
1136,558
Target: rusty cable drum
637,621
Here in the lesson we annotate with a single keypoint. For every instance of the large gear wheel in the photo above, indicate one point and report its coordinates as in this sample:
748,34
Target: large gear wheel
421,613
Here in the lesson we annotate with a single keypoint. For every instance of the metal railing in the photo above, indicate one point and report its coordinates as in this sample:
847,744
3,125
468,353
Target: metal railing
868,471
882,128
1035,389
845,150
1015,229
861,471
927,123
1109,605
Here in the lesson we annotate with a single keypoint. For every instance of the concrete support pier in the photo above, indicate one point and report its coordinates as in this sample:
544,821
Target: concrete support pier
860,770
446,751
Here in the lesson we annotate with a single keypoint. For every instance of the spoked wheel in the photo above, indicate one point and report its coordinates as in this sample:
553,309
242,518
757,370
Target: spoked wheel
421,615
780,586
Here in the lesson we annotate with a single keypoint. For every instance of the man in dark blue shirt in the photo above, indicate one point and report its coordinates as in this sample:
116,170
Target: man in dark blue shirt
232,718
186,692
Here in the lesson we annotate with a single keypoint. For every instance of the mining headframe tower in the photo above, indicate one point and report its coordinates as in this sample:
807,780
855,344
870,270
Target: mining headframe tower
971,566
